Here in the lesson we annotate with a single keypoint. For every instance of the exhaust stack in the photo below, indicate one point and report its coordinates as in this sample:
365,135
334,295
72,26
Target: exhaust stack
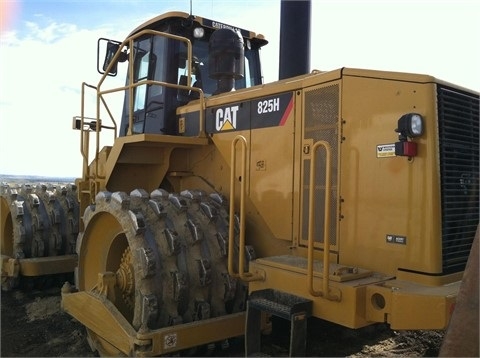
294,38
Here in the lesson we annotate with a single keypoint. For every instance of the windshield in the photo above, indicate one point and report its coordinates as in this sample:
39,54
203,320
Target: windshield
200,76
163,59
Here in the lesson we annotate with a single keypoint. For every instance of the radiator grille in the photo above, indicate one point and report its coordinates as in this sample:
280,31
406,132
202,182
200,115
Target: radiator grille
458,125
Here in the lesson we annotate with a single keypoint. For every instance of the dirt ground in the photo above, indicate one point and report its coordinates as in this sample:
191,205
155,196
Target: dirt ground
33,325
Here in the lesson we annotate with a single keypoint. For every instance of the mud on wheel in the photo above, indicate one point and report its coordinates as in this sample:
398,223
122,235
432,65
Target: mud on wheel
167,254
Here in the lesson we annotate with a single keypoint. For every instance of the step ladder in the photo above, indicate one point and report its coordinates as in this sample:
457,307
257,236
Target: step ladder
284,305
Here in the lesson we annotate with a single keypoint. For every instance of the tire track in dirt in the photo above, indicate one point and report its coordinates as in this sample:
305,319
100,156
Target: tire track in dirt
33,325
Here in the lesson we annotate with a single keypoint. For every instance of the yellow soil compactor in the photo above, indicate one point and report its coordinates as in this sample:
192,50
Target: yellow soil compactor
350,195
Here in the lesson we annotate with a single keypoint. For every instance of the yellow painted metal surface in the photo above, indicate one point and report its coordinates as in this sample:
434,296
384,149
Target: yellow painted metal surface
101,317
406,305
389,195
37,266
288,274
386,220
365,297
170,339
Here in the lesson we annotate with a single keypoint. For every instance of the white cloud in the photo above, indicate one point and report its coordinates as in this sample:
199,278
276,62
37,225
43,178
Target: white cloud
50,33
435,38
41,76
42,69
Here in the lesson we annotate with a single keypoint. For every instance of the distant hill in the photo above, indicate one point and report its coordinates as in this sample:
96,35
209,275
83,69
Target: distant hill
33,179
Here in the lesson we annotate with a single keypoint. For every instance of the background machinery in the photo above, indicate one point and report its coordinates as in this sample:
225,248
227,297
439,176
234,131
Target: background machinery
349,195
39,228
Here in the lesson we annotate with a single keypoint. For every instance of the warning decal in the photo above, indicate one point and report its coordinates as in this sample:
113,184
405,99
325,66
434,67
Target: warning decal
170,341
396,239
385,150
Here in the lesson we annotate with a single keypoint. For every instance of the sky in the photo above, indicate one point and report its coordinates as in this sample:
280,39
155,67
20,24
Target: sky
48,48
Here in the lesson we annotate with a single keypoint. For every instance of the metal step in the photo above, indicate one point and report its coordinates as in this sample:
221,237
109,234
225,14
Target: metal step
284,305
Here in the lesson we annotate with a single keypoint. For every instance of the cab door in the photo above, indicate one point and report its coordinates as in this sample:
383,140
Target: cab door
156,58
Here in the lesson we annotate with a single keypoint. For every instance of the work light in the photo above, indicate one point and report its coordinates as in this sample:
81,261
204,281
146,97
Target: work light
410,125
198,32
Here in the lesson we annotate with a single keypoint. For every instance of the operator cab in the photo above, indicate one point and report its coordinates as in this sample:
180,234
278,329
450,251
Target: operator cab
164,58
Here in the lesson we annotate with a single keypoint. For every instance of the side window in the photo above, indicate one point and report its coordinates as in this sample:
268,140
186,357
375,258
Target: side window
248,78
141,91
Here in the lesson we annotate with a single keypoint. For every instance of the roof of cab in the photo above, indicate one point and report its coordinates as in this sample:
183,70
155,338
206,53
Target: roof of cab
259,38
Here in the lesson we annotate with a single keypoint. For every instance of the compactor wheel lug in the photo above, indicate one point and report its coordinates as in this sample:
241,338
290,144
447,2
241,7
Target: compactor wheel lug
103,196
18,208
179,287
173,242
195,195
178,202
70,204
205,272
218,198
138,222
222,239
34,200
149,310
159,194
51,196
190,194
175,320
202,310
195,231
230,287
139,193
89,211
209,211
61,190
147,259
12,193
157,208
121,200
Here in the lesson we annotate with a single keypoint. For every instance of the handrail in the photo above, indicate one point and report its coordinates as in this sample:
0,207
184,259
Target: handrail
201,132
85,136
131,83
325,292
245,276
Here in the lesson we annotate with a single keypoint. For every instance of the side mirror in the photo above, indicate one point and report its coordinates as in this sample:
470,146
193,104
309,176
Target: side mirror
110,48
